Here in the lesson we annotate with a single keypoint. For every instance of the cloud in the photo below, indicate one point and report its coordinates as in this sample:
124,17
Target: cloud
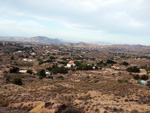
123,19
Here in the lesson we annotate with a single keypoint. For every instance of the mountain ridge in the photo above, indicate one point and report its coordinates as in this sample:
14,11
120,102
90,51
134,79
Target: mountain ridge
47,40
36,39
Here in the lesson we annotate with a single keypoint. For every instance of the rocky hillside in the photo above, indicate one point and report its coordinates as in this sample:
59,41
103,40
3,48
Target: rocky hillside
37,39
45,40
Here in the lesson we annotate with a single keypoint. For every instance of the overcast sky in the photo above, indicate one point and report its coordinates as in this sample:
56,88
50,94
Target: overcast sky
115,21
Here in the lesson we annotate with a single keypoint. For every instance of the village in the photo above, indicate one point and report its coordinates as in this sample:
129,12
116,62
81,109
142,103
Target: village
72,72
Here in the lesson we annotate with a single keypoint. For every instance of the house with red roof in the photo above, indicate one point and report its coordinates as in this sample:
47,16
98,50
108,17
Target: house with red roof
71,64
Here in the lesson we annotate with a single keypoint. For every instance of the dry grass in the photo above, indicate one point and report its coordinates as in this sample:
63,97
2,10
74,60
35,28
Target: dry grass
84,94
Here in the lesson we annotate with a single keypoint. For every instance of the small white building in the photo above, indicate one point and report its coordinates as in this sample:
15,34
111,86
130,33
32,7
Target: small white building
33,53
22,71
28,60
47,73
143,72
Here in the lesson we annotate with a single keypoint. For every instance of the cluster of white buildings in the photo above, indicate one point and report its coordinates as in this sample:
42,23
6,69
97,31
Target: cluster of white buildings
28,60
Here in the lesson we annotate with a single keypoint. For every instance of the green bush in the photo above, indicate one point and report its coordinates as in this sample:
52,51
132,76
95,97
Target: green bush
17,81
110,62
148,83
70,110
12,58
42,73
50,77
84,67
29,71
101,64
133,69
144,77
136,77
122,81
56,70
41,62
40,77
52,57
78,63
125,63
60,77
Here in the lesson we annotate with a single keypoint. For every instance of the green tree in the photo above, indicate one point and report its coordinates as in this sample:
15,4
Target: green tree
144,77
111,62
14,70
12,58
78,63
29,71
125,63
52,57
136,77
148,69
42,73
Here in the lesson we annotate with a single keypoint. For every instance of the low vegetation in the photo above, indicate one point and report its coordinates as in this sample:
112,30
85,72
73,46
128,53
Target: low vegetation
17,81
73,79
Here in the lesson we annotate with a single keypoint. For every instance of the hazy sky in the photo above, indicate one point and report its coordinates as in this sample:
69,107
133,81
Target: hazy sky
115,21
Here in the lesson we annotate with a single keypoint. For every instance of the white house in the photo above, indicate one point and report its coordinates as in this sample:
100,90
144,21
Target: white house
47,73
28,60
143,72
71,64
22,71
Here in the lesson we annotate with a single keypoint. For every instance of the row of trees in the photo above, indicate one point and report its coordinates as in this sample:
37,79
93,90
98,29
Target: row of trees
134,69
55,69
143,77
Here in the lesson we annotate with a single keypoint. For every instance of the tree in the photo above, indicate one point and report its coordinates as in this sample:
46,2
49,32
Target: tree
42,73
52,57
56,70
136,77
78,63
125,63
14,70
101,64
110,62
12,58
144,77
29,71
148,69
41,62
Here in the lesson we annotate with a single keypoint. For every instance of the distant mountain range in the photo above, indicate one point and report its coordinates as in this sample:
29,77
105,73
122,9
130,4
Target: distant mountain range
102,43
37,39
46,40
